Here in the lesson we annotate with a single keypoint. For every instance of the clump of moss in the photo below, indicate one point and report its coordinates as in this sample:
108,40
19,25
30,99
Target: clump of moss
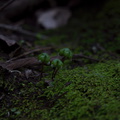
88,93
84,93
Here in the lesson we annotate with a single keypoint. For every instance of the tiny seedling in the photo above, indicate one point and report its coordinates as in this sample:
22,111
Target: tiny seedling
56,64
65,53
44,59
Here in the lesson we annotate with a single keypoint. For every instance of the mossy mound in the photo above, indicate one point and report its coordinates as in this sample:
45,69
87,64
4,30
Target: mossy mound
91,92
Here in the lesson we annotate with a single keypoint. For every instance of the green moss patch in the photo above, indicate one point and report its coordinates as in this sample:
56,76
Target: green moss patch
91,92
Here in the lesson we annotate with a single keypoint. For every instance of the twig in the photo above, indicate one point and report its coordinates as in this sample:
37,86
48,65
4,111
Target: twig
2,96
42,68
6,4
54,73
20,30
29,52
56,98
7,40
83,56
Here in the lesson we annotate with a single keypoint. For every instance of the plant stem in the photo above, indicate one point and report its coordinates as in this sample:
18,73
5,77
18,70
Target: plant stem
54,73
63,59
41,74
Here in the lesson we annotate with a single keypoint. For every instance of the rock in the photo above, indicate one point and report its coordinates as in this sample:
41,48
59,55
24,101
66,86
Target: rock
53,18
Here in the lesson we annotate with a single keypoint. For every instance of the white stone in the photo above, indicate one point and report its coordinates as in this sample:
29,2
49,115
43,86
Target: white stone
53,18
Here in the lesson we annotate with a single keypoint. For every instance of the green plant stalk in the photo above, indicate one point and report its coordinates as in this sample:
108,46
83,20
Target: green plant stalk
54,73
63,59
41,74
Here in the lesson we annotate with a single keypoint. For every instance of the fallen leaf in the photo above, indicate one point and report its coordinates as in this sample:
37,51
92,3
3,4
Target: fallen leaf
19,63
8,41
8,45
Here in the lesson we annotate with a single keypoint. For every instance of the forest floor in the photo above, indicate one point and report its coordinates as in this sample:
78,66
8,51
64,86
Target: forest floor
87,87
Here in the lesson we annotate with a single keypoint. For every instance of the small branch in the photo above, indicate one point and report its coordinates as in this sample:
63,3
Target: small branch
42,68
2,96
20,30
29,52
8,41
13,65
83,56
6,4
54,73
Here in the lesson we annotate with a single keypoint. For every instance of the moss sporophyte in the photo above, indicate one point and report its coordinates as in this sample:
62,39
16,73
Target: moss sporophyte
44,59
56,64
66,52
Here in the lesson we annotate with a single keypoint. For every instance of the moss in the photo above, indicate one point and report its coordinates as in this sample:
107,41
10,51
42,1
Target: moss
92,94
83,93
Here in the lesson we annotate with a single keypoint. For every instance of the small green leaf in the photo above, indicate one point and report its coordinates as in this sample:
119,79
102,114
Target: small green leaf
44,58
66,52
56,63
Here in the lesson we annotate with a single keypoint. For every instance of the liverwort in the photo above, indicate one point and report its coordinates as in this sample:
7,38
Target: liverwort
56,64
66,53
44,59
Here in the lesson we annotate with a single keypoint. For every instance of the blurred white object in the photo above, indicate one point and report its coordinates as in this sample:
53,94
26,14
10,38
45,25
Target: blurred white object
53,18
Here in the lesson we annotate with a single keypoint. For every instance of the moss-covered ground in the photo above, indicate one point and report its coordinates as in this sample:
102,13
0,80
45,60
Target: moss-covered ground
83,89
91,92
